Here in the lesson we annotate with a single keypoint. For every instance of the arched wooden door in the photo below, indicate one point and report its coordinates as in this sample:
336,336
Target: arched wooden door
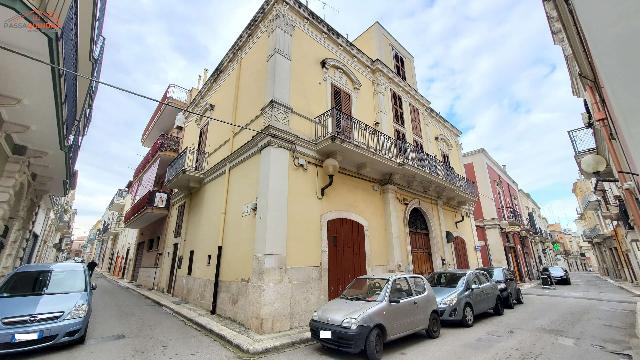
346,254
460,248
420,243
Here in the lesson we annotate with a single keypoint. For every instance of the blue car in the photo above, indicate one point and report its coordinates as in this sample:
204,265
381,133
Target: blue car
44,304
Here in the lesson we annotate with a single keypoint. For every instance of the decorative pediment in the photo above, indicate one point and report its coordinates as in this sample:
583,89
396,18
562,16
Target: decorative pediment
342,72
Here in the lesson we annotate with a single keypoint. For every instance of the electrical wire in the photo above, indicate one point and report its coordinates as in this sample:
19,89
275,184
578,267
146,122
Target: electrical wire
16,52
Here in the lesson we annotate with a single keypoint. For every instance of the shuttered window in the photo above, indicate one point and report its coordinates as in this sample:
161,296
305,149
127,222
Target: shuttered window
177,231
190,266
396,106
415,121
340,99
398,64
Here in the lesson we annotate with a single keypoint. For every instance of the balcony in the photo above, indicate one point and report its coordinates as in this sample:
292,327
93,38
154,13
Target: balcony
117,202
373,153
163,118
590,202
594,234
586,141
150,207
185,172
165,147
513,216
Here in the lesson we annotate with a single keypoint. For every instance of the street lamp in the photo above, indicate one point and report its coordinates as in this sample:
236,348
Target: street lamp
331,167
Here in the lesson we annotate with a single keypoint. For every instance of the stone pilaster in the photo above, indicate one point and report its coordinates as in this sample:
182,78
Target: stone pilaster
280,27
445,249
268,285
393,228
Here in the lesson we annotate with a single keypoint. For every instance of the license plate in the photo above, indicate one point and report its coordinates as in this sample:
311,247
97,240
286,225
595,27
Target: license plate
27,336
325,334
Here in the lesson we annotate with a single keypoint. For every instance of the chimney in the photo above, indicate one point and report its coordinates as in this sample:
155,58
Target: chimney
504,167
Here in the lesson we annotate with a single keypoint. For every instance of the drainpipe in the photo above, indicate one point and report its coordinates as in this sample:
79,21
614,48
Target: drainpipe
223,214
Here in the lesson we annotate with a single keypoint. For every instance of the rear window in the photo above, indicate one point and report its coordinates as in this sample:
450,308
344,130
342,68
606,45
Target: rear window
43,282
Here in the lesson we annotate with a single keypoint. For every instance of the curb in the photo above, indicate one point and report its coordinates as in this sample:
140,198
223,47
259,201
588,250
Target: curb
239,341
622,286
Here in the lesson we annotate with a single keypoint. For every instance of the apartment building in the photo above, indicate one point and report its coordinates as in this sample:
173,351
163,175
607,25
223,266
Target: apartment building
45,114
329,164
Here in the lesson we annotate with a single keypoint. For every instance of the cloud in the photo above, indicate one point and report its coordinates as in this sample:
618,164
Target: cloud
489,66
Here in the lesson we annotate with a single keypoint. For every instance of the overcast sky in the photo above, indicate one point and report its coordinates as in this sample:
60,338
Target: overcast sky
489,66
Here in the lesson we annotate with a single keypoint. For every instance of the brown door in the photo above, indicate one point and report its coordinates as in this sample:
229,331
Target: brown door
202,145
138,262
420,243
341,101
460,248
174,256
347,258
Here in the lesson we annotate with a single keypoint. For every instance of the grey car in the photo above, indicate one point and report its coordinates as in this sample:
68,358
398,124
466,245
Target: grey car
461,294
507,285
44,304
374,309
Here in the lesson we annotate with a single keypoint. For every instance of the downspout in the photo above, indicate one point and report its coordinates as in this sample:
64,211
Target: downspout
223,214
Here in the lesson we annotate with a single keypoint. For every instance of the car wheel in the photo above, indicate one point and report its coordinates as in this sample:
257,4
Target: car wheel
373,344
509,302
497,308
467,316
519,297
433,331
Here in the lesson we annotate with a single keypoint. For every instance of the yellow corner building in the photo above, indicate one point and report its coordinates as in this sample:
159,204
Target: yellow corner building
327,163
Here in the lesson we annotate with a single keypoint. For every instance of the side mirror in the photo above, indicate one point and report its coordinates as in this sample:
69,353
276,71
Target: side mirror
394,301
475,286
93,286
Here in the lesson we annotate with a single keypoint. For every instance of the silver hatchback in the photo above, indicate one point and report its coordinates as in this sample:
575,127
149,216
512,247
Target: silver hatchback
374,309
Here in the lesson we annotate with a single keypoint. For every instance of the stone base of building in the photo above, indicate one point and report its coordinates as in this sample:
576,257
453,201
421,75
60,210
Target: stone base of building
146,277
196,291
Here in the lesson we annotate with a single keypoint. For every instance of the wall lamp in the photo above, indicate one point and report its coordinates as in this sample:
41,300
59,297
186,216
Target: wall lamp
595,164
331,167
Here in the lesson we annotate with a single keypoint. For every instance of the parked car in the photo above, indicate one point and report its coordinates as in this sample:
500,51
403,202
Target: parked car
461,294
507,285
44,304
557,273
375,309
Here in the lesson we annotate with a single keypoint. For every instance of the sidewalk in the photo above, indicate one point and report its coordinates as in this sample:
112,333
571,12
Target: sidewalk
634,289
227,330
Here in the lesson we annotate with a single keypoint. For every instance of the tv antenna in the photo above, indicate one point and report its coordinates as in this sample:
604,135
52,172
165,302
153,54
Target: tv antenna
326,5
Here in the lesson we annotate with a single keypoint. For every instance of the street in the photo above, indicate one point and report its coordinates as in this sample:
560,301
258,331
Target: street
591,319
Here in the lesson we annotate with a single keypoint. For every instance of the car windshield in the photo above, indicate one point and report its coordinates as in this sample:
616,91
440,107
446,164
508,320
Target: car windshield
556,270
446,279
495,274
43,282
365,289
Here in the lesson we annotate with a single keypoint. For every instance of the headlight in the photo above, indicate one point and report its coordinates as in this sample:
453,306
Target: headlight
315,316
449,300
349,323
502,286
78,311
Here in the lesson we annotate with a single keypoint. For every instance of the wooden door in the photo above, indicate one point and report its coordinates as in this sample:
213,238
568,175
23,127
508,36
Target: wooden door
202,146
138,263
460,248
341,101
347,257
421,252
174,256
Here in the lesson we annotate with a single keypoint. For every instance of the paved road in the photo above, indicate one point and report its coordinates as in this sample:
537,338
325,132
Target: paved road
590,319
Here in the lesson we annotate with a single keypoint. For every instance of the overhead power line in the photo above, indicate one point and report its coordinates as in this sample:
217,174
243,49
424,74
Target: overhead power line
119,88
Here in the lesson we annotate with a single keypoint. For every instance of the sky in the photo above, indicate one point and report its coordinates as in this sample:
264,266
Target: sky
489,66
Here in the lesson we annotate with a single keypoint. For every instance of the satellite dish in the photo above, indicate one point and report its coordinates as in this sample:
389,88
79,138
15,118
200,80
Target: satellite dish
449,236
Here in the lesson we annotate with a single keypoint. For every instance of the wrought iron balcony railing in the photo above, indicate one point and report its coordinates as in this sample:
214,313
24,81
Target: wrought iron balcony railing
512,215
335,123
164,143
152,199
189,160
582,140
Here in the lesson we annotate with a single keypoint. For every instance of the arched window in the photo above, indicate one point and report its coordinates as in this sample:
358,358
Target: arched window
417,222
